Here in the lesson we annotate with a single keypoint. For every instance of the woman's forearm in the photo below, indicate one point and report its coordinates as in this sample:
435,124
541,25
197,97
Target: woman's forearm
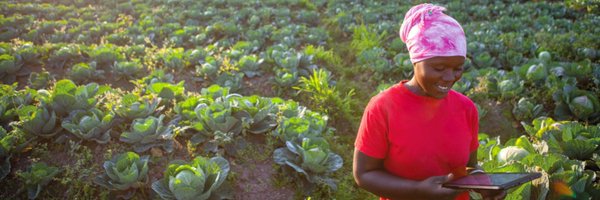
384,184
370,174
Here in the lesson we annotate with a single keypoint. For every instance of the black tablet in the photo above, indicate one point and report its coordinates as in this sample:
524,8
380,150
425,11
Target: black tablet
491,181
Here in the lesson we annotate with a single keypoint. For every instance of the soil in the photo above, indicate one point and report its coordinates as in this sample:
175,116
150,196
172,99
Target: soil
497,123
255,181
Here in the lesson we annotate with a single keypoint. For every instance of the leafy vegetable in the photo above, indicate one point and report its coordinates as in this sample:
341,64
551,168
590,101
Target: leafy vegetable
67,97
36,177
261,114
6,149
511,153
525,110
313,159
167,91
9,66
84,73
149,132
200,179
128,70
39,121
91,124
124,171
131,107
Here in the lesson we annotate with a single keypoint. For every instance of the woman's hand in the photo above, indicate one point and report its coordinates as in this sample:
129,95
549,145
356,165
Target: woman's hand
432,187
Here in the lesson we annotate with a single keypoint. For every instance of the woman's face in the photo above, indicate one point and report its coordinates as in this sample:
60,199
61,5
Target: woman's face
436,76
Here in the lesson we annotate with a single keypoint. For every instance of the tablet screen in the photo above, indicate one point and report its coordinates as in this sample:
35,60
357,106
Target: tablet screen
494,181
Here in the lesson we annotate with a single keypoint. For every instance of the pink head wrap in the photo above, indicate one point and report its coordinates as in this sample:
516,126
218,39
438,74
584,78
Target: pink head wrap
428,32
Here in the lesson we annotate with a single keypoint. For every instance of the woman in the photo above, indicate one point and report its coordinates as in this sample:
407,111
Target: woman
419,133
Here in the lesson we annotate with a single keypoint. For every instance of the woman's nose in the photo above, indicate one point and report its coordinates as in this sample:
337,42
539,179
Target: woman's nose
448,75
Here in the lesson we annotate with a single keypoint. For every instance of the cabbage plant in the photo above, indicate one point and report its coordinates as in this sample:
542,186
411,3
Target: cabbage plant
526,110
261,114
9,67
312,158
305,124
66,96
219,123
92,124
577,103
185,108
124,171
39,121
37,176
39,80
510,88
149,132
83,72
128,70
200,179
11,100
250,65
166,91
537,73
511,153
132,106
6,148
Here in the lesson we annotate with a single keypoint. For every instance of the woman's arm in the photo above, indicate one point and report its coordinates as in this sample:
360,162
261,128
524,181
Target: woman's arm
370,175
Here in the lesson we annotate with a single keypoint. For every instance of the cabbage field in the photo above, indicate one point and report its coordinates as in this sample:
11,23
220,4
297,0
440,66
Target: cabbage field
236,99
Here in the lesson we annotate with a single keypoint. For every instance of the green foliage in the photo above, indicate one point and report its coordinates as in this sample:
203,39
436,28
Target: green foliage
312,159
37,176
365,38
526,110
124,171
93,124
325,97
250,65
128,70
11,100
219,123
39,121
149,132
39,80
7,146
84,73
67,97
202,179
173,59
132,106
166,91
261,113
576,103
106,55
9,66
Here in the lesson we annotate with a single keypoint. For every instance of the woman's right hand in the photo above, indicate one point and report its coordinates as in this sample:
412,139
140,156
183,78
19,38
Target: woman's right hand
433,189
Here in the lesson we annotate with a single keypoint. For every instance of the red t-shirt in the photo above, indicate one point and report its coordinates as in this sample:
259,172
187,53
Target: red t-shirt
419,136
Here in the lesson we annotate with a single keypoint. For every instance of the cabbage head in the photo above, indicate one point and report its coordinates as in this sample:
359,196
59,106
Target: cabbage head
537,73
582,106
92,124
511,153
124,171
200,179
